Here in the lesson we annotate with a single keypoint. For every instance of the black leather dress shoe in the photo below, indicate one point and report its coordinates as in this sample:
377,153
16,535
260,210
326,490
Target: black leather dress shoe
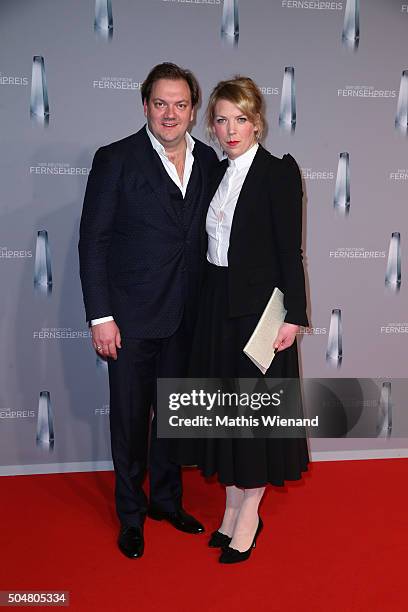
179,519
131,542
219,540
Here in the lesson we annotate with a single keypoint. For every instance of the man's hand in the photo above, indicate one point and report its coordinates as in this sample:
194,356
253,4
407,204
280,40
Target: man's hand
286,336
106,339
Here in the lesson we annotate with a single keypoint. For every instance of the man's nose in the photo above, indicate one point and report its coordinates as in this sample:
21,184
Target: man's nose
170,111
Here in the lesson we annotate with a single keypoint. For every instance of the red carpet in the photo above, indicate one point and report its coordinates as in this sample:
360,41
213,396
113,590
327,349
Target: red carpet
337,541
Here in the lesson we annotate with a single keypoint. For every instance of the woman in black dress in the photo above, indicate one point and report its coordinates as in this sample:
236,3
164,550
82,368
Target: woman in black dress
254,227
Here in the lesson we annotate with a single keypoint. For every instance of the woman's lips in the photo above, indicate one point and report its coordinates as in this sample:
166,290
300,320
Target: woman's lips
232,143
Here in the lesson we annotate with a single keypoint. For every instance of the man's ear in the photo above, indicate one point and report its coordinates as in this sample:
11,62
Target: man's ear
145,108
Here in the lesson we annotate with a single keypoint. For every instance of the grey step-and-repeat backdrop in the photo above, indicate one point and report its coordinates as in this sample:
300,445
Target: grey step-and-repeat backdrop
335,79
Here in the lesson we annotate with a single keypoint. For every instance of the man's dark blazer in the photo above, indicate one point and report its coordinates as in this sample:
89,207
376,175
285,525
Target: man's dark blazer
138,261
266,237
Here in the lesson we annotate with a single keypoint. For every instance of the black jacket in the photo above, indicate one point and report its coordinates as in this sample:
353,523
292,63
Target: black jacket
266,236
136,256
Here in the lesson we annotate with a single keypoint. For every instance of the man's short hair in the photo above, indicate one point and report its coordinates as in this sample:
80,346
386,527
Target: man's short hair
167,70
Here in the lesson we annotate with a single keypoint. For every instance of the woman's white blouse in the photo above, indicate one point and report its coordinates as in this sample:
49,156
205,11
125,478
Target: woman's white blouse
221,211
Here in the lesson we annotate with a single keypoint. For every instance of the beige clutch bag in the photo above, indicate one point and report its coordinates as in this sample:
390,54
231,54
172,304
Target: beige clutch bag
259,347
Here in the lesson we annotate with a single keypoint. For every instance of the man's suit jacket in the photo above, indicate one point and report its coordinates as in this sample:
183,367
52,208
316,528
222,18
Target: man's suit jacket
138,261
266,236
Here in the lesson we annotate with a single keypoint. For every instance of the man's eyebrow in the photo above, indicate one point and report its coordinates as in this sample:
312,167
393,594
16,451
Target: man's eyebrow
177,101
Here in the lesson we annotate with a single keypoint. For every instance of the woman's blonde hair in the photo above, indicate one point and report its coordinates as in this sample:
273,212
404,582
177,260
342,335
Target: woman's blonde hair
246,95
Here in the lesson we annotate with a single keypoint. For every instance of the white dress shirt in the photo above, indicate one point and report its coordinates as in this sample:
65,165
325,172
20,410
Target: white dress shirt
222,208
172,172
169,166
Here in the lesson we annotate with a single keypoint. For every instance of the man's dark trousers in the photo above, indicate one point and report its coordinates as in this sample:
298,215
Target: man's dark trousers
132,381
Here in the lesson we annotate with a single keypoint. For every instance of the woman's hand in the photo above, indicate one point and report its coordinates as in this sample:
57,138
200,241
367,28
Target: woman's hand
286,336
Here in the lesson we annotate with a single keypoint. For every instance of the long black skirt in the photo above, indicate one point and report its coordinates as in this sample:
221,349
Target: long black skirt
218,352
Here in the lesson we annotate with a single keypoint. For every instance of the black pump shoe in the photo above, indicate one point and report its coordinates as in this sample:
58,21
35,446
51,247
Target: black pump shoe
231,555
219,540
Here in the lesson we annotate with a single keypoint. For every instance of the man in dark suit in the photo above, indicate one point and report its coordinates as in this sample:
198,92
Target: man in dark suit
140,262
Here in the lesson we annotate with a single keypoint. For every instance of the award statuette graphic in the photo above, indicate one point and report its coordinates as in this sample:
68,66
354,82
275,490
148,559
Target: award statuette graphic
287,113
103,24
384,417
230,22
42,264
401,118
39,108
393,271
342,189
45,425
350,35
334,353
